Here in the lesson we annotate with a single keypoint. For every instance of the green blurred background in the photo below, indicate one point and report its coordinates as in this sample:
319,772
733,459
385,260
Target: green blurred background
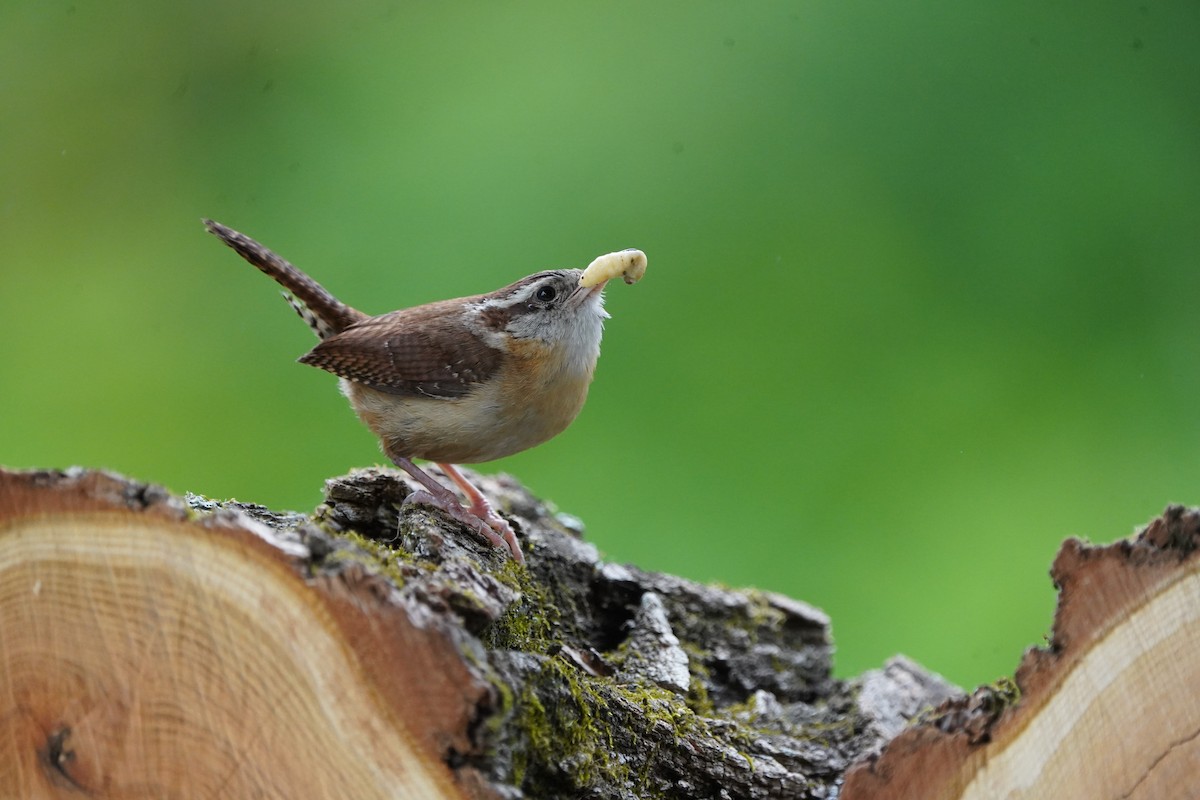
920,300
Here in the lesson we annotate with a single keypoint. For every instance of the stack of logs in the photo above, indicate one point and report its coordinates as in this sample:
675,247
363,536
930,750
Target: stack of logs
157,646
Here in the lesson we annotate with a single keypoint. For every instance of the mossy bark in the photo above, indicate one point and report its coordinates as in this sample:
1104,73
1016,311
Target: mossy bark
160,646
568,677
575,645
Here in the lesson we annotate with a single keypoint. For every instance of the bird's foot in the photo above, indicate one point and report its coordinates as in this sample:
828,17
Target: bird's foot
481,508
454,509
480,517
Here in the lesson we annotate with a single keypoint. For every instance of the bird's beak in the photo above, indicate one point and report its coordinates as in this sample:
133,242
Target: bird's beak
583,294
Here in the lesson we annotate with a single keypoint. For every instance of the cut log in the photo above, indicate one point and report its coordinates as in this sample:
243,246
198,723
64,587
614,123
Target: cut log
145,654
155,646
1109,709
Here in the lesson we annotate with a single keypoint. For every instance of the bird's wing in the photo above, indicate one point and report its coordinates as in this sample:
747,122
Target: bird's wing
418,351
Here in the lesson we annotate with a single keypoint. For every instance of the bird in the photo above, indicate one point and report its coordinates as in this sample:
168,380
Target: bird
459,381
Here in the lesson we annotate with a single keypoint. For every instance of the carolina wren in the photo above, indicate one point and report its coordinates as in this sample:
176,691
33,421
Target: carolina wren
459,381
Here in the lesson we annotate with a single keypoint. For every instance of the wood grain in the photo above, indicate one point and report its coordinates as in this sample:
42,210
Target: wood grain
1108,709
148,655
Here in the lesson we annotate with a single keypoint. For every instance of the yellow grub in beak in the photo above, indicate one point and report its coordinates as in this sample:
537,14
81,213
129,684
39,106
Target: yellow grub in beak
629,264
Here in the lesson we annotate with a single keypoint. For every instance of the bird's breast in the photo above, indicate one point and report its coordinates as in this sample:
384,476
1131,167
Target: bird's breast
531,398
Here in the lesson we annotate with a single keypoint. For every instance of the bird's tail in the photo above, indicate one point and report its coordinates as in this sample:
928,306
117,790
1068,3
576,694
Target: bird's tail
323,312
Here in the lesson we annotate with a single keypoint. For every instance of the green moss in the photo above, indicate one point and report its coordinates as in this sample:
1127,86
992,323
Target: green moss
663,717
515,576
504,703
761,614
664,711
373,554
530,623
700,679
573,722
569,743
1002,694
534,723
643,778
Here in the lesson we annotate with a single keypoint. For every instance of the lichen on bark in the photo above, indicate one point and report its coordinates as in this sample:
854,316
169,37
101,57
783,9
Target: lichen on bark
746,708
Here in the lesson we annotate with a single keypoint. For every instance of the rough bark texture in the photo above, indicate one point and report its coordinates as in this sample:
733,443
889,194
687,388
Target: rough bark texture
159,646
384,651
620,683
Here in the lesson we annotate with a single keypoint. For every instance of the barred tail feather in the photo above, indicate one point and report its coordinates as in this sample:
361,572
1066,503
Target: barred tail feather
323,312
318,325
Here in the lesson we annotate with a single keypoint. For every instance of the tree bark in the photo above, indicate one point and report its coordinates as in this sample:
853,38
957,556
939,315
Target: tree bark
184,647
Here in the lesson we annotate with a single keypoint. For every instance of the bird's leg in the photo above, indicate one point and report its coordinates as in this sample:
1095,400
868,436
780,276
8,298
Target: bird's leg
487,524
481,508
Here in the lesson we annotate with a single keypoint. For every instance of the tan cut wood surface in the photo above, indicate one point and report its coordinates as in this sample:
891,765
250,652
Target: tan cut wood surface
148,655
1110,709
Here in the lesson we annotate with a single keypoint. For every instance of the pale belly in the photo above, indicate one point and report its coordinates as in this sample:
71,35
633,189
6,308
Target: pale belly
483,426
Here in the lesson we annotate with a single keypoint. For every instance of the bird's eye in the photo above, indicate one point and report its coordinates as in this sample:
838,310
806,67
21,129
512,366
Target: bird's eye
545,294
